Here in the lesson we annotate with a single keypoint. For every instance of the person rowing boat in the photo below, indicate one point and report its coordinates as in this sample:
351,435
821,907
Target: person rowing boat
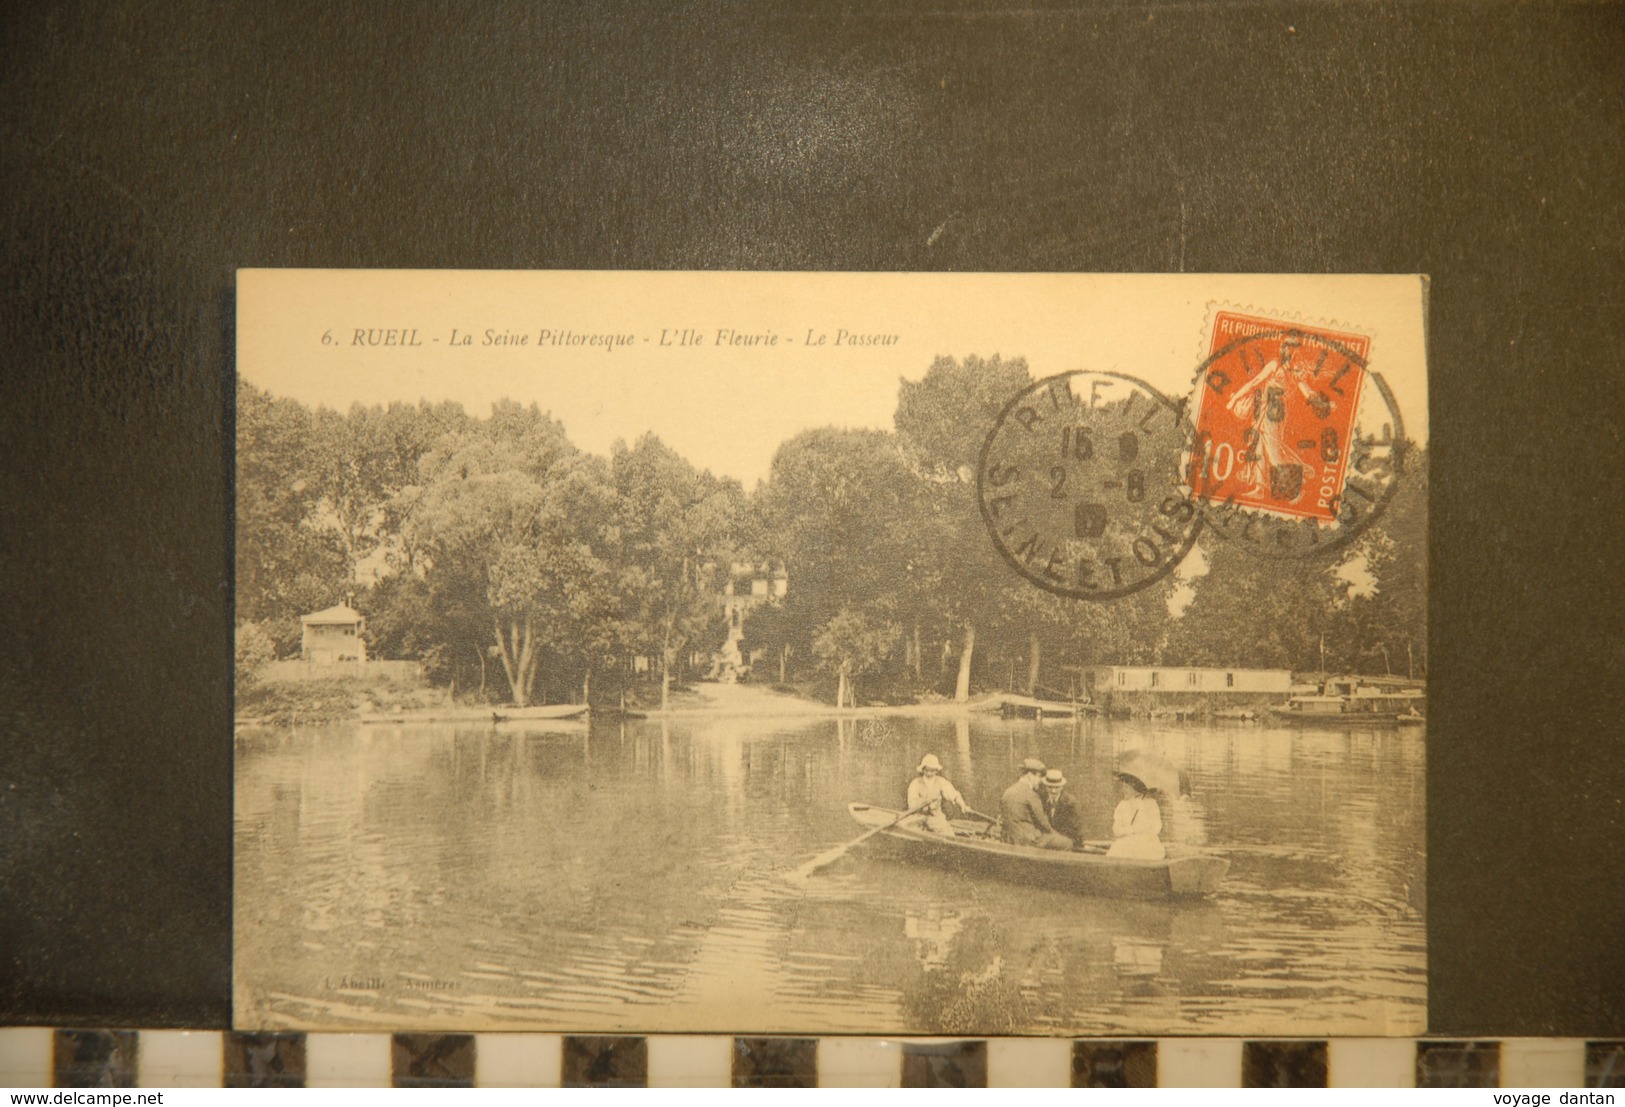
934,793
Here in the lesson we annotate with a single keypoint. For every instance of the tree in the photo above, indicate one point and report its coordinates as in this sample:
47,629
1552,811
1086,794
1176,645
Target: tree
286,564
1395,552
942,421
254,650
1303,613
840,511
675,545
347,474
515,513
1259,611
944,417
772,627
406,435
852,645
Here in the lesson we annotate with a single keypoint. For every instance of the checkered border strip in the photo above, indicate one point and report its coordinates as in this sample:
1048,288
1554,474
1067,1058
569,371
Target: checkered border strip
33,1057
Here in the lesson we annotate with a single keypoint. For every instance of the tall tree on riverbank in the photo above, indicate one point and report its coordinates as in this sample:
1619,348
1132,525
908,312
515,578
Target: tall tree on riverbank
675,539
1396,558
942,421
399,437
515,514
353,477
771,628
853,645
286,564
1259,612
841,511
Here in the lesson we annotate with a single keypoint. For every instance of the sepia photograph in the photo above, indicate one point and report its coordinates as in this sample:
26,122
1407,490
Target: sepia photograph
831,653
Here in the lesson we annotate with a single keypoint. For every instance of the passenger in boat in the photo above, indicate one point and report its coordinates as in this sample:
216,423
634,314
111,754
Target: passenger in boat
1030,780
1025,821
1062,809
1137,823
929,786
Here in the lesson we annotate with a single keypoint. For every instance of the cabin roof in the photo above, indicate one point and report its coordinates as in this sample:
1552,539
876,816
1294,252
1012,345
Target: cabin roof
337,615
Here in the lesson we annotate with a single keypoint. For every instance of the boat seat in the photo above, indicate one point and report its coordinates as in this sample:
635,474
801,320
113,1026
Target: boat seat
970,828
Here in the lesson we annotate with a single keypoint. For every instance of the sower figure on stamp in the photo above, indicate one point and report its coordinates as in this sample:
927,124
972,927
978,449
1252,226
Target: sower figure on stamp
1025,821
1272,464
929,786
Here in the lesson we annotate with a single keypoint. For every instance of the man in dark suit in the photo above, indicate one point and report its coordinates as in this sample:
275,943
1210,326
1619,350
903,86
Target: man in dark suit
1061,808
1025,821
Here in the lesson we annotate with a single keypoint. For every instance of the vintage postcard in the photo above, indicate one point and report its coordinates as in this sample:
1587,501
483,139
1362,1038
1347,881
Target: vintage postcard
932,654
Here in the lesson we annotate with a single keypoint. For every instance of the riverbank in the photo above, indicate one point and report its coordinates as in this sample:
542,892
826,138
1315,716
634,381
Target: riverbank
338,698
760,701
352,699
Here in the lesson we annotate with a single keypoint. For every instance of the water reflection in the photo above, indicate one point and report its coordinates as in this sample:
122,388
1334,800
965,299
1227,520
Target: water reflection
629,875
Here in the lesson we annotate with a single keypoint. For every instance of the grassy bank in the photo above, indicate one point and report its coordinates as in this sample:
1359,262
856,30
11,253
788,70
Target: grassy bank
334,699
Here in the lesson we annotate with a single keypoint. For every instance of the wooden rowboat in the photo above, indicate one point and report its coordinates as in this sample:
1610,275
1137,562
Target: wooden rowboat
545,711
1184,874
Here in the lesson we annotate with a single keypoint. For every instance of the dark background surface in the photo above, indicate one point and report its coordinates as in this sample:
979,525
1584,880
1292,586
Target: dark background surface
151,149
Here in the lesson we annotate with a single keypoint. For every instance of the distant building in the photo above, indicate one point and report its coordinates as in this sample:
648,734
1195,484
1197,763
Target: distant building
1101,680
332,636
748,584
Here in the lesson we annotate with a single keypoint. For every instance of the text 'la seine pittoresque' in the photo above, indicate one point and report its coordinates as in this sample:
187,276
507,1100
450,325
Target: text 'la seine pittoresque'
675,337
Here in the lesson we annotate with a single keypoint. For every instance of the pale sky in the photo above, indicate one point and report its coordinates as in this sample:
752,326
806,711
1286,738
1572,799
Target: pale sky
628,352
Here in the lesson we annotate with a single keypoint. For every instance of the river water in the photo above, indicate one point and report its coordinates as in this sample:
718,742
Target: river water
630,876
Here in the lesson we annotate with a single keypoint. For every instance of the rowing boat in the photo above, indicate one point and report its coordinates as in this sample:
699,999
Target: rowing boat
1185,873
540,711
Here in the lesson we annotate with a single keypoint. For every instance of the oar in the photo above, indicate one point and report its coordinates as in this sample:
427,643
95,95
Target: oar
830,856
988,819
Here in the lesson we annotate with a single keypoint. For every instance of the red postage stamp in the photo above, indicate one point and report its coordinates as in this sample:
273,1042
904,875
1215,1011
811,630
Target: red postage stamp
1274,410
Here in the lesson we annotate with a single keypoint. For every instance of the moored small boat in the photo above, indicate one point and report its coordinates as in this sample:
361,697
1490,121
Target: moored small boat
1343,710
1183,874
1029,707
542,711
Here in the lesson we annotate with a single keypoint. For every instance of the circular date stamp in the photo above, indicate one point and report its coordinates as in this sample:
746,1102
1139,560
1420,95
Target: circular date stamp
1082,487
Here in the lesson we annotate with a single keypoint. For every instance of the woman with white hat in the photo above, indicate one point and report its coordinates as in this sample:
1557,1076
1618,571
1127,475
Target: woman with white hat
1137,822
931,790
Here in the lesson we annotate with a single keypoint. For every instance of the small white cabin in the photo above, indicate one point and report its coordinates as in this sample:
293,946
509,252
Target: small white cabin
333,635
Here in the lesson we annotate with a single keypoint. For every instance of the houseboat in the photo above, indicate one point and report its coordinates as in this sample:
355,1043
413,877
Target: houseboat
1344,701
